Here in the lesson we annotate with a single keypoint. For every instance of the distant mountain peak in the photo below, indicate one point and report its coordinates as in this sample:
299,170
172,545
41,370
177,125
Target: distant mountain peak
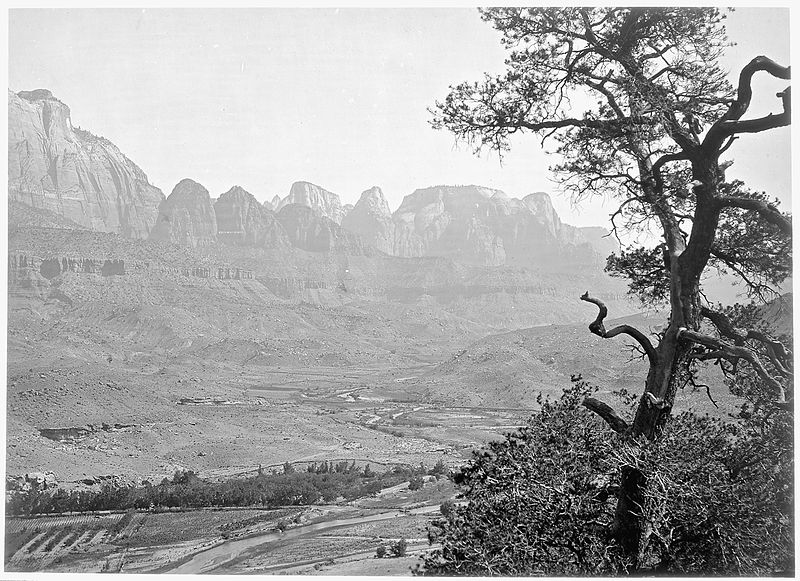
186,217
323,202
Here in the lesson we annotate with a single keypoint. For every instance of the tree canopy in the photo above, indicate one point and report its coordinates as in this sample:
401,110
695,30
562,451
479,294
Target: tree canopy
640,110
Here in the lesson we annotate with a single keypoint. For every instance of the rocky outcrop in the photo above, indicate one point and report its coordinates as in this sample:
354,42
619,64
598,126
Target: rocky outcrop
324,203
371,220
243,221
292,287
77,433
69,172
52,267
186,217
31,481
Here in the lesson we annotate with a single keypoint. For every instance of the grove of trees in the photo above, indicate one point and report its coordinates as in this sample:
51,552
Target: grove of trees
657,115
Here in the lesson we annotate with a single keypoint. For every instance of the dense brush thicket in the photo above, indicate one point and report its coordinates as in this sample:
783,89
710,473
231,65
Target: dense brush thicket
318,482
541,502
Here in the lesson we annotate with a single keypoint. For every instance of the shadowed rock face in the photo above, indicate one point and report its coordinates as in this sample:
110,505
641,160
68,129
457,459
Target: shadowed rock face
371,220
320,200
65,170
309,231
243,221
186,217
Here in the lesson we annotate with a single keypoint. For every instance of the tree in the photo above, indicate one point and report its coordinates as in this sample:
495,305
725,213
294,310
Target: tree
659,115
399,548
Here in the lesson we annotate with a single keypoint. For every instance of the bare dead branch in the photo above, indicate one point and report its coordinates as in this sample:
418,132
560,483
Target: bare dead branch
599,329
606,412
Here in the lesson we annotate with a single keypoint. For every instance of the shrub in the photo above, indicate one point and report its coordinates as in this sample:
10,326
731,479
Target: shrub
380,552
541,502
446,507
439,469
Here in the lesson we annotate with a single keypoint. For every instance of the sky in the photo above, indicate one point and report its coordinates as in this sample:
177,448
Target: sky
264,97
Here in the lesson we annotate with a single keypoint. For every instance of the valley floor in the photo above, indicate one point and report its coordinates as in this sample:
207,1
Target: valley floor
318,538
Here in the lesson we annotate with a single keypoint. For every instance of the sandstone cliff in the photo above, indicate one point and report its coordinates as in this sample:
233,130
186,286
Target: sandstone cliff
320,200
186,217
72,173
243,221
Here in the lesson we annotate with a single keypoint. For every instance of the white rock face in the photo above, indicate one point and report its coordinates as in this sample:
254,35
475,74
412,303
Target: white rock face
324,203
70,172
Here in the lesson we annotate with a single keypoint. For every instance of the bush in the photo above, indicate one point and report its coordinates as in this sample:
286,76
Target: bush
416,483
399,548
380,552
541,502
446,507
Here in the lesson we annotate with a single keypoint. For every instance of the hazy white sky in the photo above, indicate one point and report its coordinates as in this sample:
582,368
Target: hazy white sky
265,97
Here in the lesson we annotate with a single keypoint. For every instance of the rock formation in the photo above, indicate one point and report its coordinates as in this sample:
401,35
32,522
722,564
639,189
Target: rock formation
186,217
371,219
242,221
320,200
72,173
308,230
477,225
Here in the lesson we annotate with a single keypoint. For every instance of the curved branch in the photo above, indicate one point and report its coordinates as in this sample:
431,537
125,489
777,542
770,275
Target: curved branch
601,124
606,412
599,329
764,209
724,325
744,92
660,162
777,351
722,350
729,124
